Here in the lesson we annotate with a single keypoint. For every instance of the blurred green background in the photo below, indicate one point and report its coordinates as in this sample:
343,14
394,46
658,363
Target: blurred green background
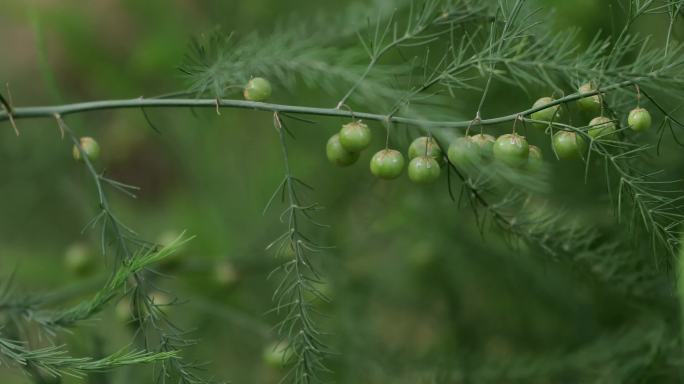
416,290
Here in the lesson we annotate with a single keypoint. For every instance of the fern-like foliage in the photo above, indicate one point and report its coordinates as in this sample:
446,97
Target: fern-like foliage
448,47
411,63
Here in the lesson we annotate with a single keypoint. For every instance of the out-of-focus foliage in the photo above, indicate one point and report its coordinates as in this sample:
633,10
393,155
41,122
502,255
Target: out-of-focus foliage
422,290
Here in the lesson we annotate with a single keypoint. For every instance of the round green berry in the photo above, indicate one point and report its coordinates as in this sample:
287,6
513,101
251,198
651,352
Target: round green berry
536,159
79,259
278,355
591,104
89,146
601,128
485,143
463,152
568,145
425,146
161,301
387,164
337,154
257,89
225,274
124,310
512,150
423,170
639,120
355,136
548,114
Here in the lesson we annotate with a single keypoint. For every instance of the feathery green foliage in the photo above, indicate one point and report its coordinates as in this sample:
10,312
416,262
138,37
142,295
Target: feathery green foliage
410,65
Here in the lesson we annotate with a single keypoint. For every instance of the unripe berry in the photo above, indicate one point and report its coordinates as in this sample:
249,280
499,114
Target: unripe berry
568,145
355,136
90,147
387,164
123,310
225,274
548,114
601,128
423,170
485,143
79,260
319,294
591,104
337,154
512,150
257,89
161,301
175,260
463,152
425,146
536,159
278,355
639,120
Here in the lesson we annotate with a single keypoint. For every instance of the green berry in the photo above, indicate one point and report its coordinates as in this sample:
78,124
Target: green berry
175,260
463,152
548,114
161,301
536,159
512,150
319,294
337,154
257,89
568,145
355,136
423,146
278,355
89,146
225,274
123,310
387,164
79,259
601,128
639,119
423,170
485,143
591,104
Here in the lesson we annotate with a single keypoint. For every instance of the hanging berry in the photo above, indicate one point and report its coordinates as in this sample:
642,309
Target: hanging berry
355,136
485,143
337,154
591,104
278,355
426,146
387,164
89,146
639,119
548,114
463,152
568,145
79,259
536,159
602,128
423,170
512,150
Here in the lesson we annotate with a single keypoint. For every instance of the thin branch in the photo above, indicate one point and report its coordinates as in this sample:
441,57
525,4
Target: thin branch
68,109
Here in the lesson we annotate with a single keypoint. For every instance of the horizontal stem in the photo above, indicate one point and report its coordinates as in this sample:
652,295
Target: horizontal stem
67,109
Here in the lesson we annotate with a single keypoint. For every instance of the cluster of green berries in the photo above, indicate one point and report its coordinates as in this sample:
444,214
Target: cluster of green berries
570,144
344,148
509,149
425,155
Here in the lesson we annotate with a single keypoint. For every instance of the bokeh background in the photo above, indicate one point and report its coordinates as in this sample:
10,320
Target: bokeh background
416,289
